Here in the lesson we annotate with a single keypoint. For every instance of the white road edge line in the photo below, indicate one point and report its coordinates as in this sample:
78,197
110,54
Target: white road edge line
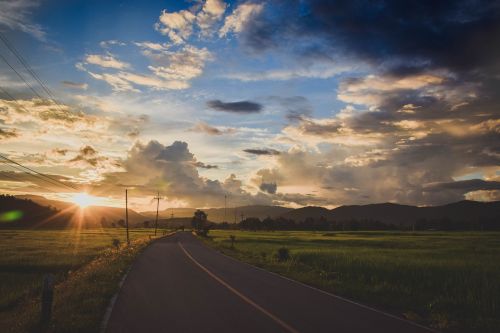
326,292
237,293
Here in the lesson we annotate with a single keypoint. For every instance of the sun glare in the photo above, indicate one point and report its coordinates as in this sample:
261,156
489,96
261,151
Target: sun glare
83,200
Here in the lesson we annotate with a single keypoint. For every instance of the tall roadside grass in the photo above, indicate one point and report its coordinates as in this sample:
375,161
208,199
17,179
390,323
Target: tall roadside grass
449,281
87,267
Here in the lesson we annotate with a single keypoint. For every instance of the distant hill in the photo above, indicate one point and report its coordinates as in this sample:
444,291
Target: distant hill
24,212
217,214
388,213
401,215
300,214
46,202
37,208
93,216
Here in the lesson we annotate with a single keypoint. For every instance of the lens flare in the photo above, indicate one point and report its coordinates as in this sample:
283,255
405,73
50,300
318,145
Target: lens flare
84,200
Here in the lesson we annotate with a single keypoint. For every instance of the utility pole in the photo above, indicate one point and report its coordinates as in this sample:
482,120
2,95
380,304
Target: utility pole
225,207
126,215
157,207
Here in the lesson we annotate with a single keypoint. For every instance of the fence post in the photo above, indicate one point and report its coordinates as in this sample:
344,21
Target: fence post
47,298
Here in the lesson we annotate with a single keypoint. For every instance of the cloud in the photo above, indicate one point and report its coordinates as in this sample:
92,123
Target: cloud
107,61
171,70
296,107
28,183
211,12
47,114
181,66
378,32
147,47
88,156
372,89
270,188
173,171
7,133
60,151
205,166
262,151
464,185
15,14
108,43
241,107
317,71
240,17
75,85
211,130
178,26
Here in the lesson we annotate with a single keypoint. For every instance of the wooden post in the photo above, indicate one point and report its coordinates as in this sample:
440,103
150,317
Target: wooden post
47,298
126,215
157,207
225,207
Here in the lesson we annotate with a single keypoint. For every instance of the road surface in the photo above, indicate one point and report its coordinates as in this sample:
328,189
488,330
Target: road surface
179,285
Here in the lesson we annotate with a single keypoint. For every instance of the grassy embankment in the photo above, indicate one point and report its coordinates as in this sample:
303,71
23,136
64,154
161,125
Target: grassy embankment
87,269
449,281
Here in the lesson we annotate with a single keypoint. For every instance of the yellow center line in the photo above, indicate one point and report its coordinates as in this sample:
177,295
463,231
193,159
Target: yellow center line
240,295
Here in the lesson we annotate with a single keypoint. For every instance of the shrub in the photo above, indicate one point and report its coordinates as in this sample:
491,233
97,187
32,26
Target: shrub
116,243
283,254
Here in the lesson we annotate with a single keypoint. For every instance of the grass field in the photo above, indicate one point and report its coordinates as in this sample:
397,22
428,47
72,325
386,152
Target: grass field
449,281
84,263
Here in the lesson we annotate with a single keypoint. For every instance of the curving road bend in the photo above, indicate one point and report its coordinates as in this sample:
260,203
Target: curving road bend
179,285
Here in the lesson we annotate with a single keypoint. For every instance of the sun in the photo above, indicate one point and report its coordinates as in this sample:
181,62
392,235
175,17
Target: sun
83,199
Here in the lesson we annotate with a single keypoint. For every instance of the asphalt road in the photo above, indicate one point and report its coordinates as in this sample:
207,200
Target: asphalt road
179,285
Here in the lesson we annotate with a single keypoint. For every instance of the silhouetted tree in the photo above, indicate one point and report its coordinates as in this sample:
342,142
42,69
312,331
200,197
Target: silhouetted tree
200,223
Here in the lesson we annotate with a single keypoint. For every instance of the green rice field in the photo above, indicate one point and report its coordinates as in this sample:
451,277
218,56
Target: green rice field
446,280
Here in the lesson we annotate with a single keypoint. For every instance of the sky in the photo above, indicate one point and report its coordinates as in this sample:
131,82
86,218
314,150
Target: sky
292,103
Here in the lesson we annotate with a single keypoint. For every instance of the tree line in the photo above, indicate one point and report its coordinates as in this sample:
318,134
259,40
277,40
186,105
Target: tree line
322,224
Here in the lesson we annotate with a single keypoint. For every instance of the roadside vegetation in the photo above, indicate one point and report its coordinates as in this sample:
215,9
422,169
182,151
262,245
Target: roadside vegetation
87,265
446,280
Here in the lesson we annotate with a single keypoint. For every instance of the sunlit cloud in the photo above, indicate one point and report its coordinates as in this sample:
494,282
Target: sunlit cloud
240,17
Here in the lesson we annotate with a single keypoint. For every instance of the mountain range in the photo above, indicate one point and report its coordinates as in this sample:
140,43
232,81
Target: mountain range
388,213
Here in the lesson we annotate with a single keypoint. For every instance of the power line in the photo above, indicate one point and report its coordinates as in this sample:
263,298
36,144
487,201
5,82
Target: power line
12,175
15,167
6,93
21,77
29,69
50,179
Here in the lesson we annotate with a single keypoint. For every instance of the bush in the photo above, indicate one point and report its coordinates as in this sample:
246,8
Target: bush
203,232
283,254
116,243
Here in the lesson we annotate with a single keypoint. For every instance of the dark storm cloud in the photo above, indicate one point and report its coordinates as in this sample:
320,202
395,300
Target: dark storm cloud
464,185
235,107
262,151
177,152
270,188
460,35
